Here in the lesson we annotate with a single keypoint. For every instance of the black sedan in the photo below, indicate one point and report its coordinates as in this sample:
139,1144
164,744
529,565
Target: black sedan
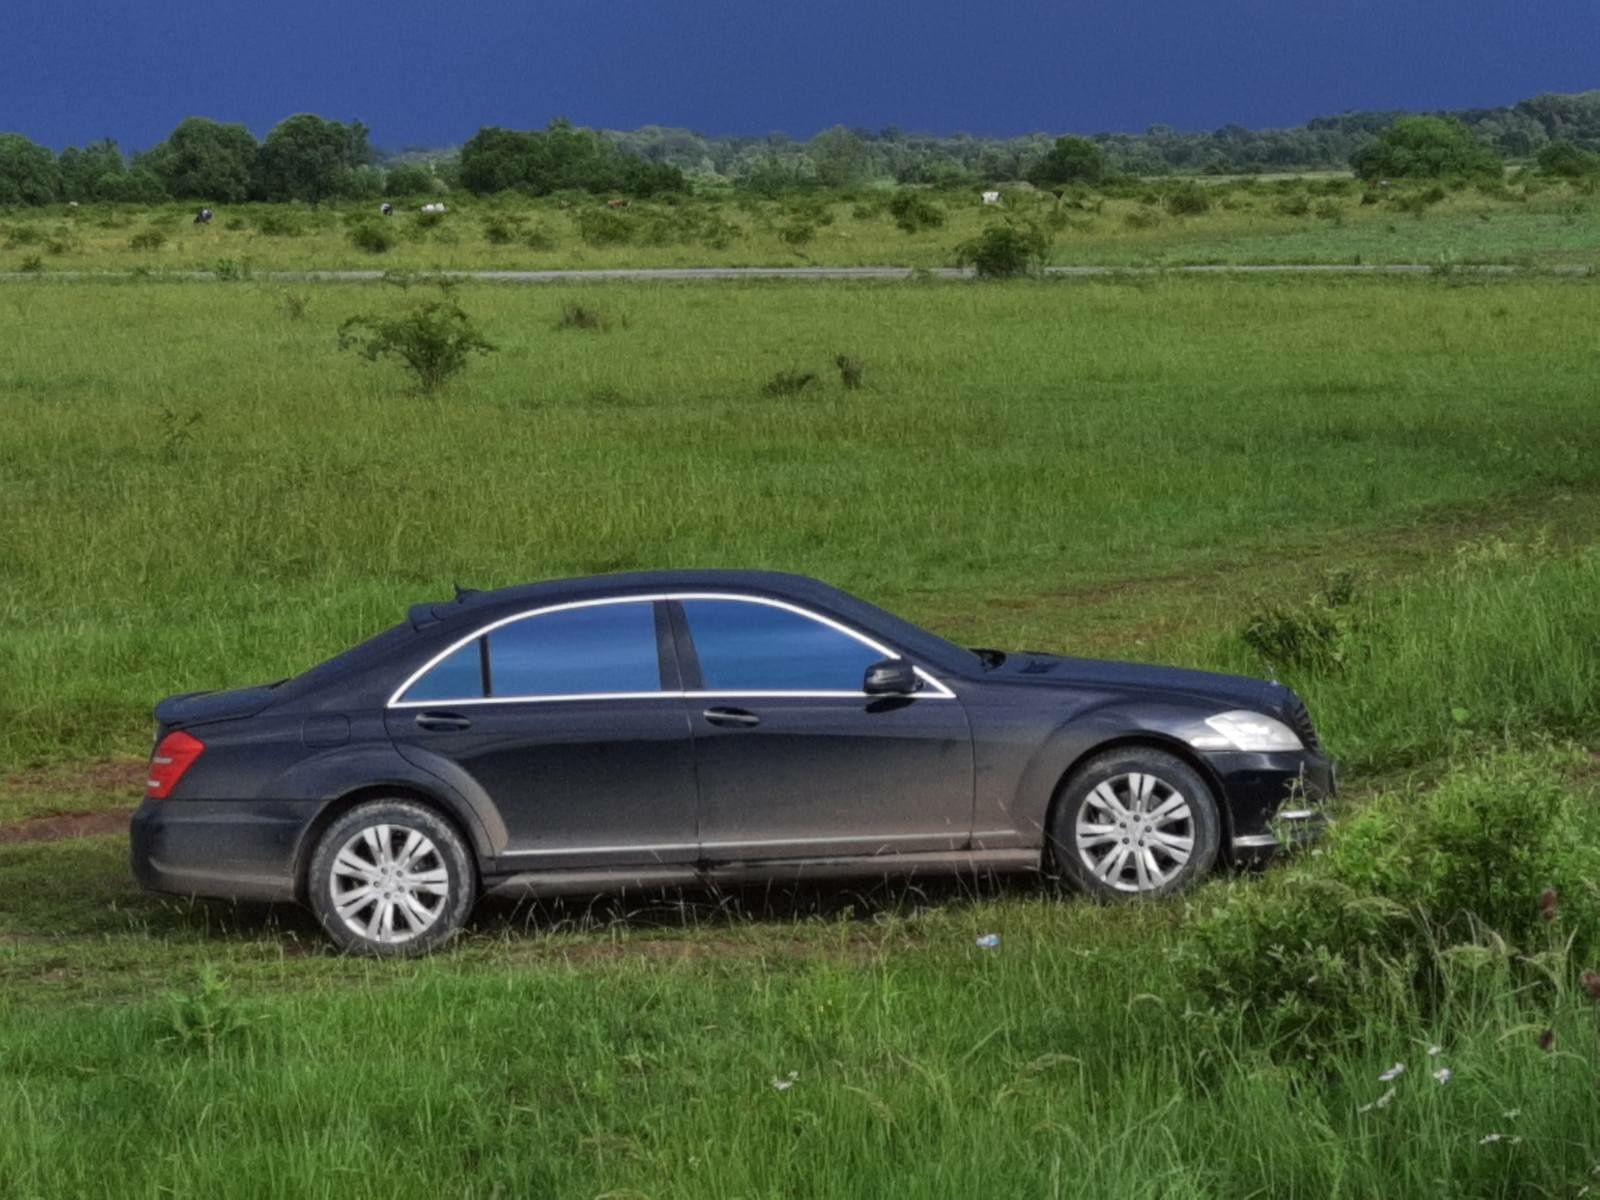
668,728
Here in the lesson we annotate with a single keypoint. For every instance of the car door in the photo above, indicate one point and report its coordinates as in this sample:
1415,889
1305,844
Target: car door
794,759
564,718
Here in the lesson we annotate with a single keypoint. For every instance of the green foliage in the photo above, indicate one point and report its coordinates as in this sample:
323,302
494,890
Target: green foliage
1070,160
797,232
583,316
1005,249
306,157
147,239
599,226
207,1017
1425,147
913,210
1310,961
1188,199
840,157
278,223
1320,634
409,179
372,236
1296,204
788,383
1142,218
204,160
28,173
850,371
560,158
1565,160
433,340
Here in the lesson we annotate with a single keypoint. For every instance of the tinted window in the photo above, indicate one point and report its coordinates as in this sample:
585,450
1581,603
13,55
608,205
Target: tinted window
604,648
755,647
457,677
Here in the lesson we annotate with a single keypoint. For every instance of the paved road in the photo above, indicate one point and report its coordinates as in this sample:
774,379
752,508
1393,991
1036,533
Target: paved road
716,273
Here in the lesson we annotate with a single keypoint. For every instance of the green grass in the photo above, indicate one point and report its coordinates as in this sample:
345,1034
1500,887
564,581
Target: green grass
1530,223
204,491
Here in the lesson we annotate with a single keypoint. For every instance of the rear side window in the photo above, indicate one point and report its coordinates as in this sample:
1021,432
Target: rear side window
598,650
743,646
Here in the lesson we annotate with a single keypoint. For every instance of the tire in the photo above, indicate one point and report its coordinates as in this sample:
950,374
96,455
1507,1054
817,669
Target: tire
1103,838
391,879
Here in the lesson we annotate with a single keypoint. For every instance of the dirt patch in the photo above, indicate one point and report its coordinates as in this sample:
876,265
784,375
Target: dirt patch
120,777
60,826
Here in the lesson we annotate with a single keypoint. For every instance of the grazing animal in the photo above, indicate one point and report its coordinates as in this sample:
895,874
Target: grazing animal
616,204
386,209
991,197
203,217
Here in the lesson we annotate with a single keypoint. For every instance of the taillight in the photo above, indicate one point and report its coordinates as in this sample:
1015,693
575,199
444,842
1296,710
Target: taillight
174,756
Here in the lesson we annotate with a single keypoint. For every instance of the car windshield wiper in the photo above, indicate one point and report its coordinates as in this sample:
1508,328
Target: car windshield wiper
991,658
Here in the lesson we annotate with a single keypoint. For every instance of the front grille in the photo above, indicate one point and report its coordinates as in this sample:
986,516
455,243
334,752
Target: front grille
1299,718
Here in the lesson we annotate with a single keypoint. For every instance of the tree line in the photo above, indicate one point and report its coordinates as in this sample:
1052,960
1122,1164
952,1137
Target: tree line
309,158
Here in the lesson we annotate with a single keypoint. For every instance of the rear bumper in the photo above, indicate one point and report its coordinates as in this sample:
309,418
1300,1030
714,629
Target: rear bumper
1275,801
244,850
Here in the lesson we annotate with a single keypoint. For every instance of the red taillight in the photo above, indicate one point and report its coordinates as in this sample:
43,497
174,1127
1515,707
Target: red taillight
174,756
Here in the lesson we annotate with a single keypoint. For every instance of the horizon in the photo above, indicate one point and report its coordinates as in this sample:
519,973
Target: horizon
723,70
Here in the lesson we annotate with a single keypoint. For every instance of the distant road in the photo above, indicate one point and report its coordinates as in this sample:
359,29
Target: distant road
668,274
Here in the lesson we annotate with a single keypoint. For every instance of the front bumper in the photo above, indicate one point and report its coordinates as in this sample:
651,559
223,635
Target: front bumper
1275,801
244,850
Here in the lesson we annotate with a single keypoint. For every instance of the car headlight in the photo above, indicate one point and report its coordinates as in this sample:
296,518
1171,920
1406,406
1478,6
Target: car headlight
1250,731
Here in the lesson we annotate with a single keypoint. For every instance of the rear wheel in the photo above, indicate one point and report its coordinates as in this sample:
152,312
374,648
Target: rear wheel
1135,821
391,878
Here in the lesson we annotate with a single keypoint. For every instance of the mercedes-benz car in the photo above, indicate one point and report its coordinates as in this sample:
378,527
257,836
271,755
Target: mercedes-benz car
653,730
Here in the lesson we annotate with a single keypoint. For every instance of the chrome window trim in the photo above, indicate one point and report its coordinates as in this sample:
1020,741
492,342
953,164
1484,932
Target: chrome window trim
941,690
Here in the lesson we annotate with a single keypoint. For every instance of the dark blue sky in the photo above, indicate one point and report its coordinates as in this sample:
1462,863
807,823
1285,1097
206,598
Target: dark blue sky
424,73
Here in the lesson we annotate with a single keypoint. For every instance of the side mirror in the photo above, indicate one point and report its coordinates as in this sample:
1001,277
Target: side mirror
891,677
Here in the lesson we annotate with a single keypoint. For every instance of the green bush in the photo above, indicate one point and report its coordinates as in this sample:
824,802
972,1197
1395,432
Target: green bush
913,211
433,340
1425,148
603,227
1565,160
1005,250
1296,205
797,232
1318,634
274,223
1142,218
147,239
372,237
1188,199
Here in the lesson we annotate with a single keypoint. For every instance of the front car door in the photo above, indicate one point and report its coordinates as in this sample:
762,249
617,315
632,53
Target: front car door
563,716
794,759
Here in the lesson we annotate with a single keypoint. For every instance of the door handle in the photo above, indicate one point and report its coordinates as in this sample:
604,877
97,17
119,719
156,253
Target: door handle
732,716
442,722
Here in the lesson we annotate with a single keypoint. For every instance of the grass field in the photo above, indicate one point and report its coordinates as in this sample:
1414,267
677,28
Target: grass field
1531,222
203,490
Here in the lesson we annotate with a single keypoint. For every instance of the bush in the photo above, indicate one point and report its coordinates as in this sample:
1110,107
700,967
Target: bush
788,383
372,237
1328,210
1425,148
1005,250
1565,160
603,227
1319,634
1311,958
1188,199
797,232
1142,218
433,341
1296,205
540,237
279,224
147,239
500,230
913,211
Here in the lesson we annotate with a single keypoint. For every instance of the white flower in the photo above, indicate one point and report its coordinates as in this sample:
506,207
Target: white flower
1381,1102
1511,1114
1435,1051
1489,1138
1443,1074
783,1085
1392,1073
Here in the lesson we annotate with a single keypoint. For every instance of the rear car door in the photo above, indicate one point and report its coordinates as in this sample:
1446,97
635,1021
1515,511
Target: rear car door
564,718
794,759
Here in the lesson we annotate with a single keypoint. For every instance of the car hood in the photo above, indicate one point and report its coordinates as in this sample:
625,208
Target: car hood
200,708
1053,670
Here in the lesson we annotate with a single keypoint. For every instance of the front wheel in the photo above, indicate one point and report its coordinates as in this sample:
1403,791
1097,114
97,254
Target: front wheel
391,879
1135,821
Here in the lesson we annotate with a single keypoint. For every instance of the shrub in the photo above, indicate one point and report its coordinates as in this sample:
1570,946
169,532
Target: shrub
540,237
1296,205
147,239
797,232
500,230
433,340
1142,218
1318,634
1188,199
850,371
1005,250
1328,210
279,224
372,237
32,265
912,211
603,227
788,383
1425,147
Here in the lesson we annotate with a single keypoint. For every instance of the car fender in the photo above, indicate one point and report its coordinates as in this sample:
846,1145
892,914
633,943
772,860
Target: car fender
1086,732
342,770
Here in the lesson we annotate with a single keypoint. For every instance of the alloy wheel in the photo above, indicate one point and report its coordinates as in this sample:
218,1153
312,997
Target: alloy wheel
1135,832
389,884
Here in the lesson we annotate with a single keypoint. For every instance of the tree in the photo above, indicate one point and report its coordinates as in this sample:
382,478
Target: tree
1563,158
308,158
1426,148
432,340
205,160
83,170
561,158
28,172
840,155
409,179
1070,160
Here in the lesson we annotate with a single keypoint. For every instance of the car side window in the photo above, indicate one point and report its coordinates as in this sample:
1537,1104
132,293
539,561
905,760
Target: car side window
599,649
745,646
604,648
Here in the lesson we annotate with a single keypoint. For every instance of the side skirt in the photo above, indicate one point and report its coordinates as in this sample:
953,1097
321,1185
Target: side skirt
780,871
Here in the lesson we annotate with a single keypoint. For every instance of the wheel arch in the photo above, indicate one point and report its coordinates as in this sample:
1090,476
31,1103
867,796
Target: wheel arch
344,803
